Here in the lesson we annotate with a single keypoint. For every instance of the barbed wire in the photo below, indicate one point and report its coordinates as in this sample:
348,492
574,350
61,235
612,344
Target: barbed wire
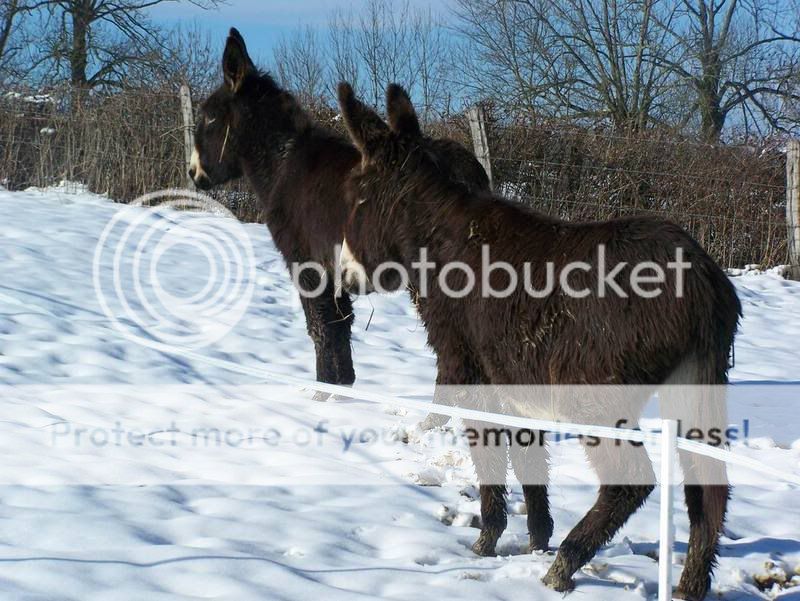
78,150
504,123
578,167
677,212
55,96
737,210
72,123
646,136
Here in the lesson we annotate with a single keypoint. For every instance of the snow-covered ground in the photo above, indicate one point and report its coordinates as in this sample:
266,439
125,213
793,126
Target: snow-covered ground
112,487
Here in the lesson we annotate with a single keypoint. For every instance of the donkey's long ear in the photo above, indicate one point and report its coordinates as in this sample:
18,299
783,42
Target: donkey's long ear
402,116
366,128
236,63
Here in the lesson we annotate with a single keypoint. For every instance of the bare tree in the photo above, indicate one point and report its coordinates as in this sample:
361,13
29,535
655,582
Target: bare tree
15,36
9,12
300,65
432,57
382,42
389,42
188,54
344,57
97,41
570,58
739,56
386,44
636,62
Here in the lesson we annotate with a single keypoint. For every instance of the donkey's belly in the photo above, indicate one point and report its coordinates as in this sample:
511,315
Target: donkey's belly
600,405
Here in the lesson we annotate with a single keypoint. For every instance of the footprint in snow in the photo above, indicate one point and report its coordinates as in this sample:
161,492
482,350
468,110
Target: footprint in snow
427,560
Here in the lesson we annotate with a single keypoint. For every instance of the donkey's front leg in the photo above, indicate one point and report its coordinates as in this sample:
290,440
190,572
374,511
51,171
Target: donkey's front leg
531,464
329,318
489,450
440,397
455,372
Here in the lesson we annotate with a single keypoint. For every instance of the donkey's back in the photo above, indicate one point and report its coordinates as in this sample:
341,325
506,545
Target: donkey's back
627,328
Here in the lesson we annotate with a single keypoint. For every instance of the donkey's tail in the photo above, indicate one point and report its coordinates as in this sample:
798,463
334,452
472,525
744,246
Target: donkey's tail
696,397
696,393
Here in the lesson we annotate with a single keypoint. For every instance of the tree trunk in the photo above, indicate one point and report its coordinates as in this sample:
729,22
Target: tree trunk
5,26
81,15
712,117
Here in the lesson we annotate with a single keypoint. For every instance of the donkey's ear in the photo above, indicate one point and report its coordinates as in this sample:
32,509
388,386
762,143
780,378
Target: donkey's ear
366,128
402,116
236,63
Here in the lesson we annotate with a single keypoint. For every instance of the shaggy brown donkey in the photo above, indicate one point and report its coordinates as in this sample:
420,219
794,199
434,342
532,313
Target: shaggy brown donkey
400,204
251,127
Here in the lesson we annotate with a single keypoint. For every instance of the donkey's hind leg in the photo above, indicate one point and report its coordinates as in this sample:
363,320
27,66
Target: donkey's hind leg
329,318
490,456
701,409
530,461
707,493
627,479
707,505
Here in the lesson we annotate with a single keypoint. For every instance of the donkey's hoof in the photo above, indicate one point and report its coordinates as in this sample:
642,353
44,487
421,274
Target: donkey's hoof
539,545
433,421
681,593
558,582
691,587
539,537
484,546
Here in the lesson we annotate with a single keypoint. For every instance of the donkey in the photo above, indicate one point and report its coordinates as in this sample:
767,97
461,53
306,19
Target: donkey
251,127
400,204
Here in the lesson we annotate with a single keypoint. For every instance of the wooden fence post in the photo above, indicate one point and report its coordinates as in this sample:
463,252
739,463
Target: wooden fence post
480,140
793,207
188,131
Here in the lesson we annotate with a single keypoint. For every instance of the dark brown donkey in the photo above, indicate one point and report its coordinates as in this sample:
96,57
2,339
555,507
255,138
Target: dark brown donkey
251,127
400,204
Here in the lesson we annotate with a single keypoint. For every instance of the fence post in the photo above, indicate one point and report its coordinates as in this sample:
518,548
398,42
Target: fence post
480,139
793,207
188,131
669,452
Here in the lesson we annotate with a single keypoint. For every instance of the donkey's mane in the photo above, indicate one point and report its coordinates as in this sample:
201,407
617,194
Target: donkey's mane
451,194
262,86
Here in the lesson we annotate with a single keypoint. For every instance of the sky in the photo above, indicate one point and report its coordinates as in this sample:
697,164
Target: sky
263,22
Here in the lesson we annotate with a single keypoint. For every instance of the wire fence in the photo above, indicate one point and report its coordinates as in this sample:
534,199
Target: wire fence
732,199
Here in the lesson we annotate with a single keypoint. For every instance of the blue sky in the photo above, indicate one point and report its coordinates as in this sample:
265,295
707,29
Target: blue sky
262,22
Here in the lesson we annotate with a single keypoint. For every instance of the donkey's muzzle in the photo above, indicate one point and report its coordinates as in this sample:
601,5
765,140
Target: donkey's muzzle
354,278
200,180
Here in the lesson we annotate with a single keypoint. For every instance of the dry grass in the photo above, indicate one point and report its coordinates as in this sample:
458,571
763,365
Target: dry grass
732,199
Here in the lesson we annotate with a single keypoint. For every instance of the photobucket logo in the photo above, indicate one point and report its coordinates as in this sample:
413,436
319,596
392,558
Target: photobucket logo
600,278
174,267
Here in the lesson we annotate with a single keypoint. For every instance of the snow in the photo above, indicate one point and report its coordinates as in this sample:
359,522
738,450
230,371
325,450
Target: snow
112,486
30,98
